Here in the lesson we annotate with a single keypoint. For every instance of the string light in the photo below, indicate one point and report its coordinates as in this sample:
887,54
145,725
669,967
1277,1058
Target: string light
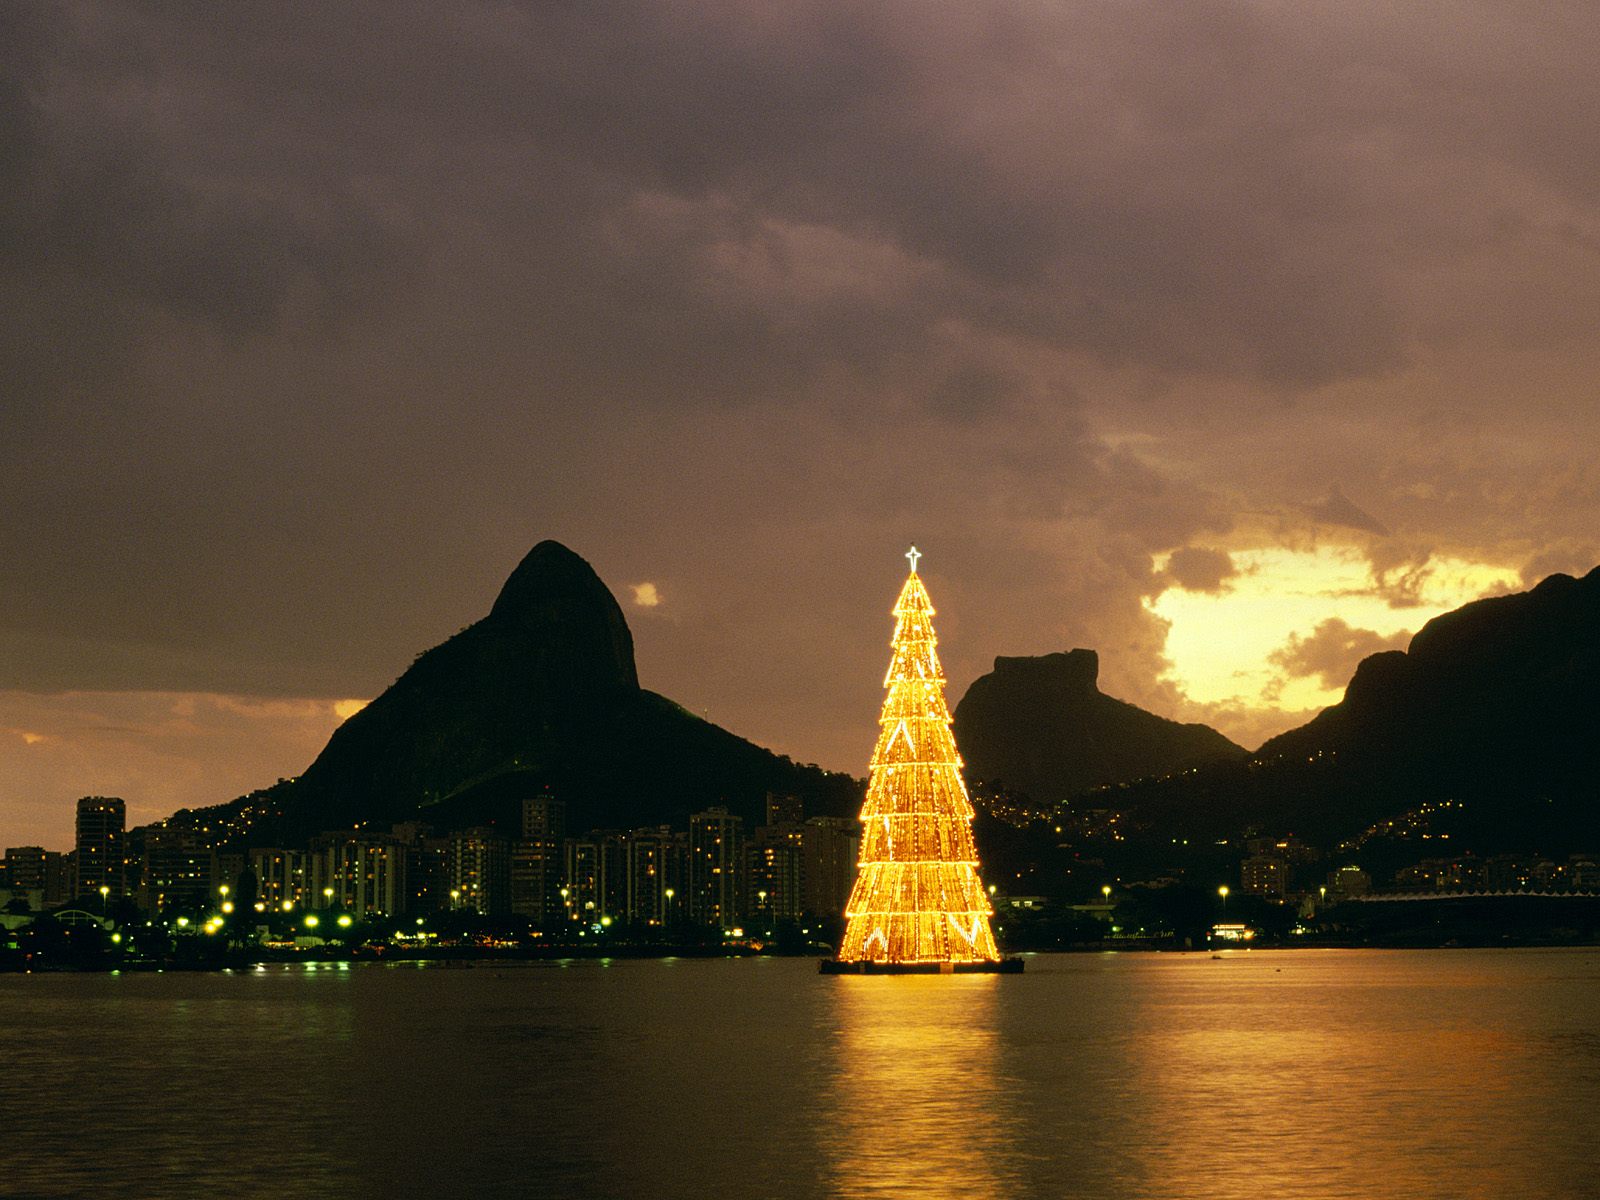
917,895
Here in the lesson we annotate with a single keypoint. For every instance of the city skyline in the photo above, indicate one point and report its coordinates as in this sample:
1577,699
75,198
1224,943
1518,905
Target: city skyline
1232,373
457,464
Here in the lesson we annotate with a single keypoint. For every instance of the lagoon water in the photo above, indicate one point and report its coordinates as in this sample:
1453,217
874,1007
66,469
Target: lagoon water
1315,1074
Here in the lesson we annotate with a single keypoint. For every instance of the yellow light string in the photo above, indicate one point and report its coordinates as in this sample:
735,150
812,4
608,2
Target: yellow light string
917,895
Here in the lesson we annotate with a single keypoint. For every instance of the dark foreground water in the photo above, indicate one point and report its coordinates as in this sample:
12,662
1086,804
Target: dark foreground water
1316,1074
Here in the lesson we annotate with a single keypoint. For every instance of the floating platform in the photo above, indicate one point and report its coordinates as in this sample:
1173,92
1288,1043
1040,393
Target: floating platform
1004,966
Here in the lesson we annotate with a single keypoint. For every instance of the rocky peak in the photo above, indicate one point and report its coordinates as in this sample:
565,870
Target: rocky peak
556,597
1041,725
1068,670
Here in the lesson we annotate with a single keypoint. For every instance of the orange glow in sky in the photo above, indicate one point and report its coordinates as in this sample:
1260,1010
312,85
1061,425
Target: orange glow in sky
1221,644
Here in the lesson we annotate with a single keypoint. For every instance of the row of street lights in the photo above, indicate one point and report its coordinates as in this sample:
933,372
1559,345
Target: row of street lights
667,894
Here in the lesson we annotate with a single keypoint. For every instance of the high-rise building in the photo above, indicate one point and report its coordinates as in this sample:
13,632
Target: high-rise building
830,847
102,822
1264,875
1348,882
358,871
716,868
655,876
282,877
594,877
175,869
230,864
25,868
536,860
26,874
427,867
477,869
774,886
784,810
429,874
60,873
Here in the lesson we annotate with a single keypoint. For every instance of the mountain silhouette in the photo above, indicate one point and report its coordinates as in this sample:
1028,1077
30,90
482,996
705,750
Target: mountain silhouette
1509,683
1043,726
1495,705
541,693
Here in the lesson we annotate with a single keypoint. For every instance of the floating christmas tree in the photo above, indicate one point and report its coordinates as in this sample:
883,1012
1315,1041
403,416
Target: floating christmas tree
917,897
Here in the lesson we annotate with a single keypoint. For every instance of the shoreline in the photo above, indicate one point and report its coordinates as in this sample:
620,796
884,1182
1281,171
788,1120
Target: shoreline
452,957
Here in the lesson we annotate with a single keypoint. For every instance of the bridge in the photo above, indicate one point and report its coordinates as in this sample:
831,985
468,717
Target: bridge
1422,897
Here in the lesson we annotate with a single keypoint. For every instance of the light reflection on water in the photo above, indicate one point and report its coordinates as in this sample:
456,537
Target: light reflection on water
914,1104
1337,1074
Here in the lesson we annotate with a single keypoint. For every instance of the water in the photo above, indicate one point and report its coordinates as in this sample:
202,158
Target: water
1316,1074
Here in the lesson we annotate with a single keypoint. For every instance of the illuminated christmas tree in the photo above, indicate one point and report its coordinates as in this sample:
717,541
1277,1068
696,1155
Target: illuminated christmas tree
917,896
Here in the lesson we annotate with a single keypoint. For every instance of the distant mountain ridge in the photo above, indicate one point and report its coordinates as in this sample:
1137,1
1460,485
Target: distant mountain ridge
1513,674
1496,704
542,692
1042,726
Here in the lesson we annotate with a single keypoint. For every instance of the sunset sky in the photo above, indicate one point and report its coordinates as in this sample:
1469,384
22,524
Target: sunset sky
1233,341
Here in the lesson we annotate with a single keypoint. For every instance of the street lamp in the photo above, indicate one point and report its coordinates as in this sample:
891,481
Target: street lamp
1105,891
1223,892
104,892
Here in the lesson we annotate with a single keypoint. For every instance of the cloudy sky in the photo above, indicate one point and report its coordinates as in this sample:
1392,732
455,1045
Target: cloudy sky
1232,340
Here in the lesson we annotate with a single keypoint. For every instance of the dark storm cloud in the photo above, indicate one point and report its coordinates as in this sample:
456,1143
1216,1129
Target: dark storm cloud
212,162
1331,652
1338,509
1198,569
322,314
1567,558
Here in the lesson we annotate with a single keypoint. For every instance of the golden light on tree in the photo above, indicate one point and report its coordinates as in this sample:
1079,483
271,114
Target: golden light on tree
917,897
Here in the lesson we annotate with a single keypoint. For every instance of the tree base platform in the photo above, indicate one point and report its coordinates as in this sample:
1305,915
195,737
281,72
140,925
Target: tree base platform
1004,966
